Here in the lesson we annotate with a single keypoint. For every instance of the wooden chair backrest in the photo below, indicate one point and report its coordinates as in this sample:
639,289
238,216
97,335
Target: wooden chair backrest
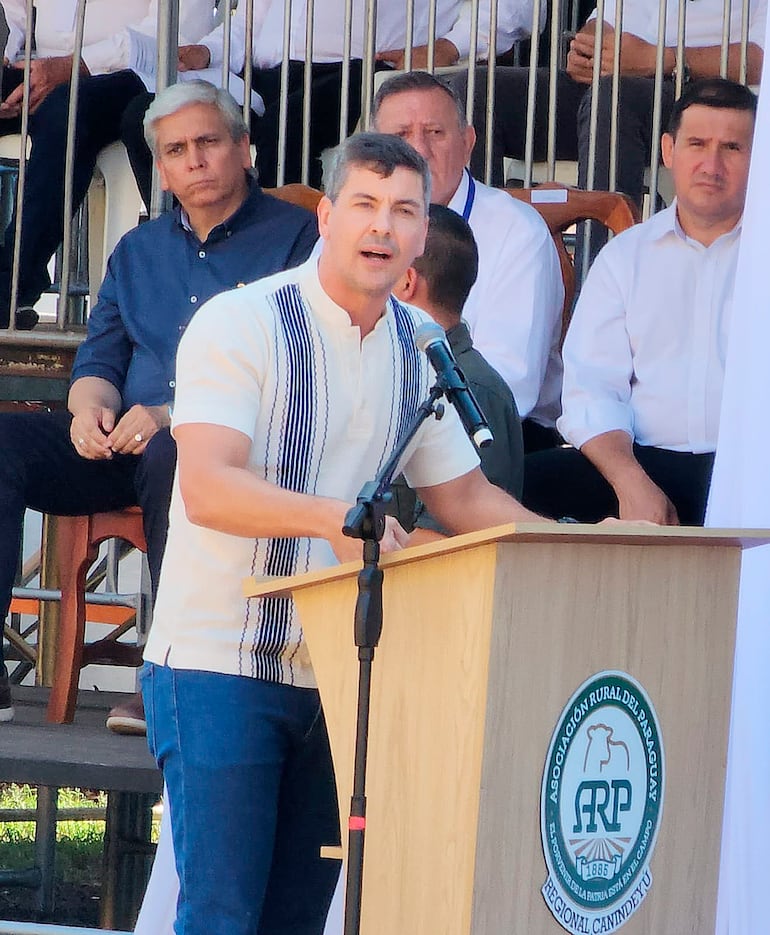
617,212
297,194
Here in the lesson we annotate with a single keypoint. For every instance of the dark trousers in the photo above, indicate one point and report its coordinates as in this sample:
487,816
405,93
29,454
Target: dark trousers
101,101
573,123
563,482
40,469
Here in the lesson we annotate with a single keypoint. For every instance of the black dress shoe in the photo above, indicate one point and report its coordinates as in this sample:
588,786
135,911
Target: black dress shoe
26,318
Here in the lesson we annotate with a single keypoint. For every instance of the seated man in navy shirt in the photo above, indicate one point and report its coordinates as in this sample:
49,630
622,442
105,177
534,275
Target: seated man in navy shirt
113,449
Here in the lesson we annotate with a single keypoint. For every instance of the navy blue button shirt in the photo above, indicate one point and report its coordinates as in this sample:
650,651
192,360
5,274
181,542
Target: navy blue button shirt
160,274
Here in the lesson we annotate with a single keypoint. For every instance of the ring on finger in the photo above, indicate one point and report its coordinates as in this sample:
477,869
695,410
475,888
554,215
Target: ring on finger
138,437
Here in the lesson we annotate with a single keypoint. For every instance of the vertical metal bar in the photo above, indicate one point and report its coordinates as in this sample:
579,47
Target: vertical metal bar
227,26
345,76
657,111
45,845
111,570
473,54
367,68
593,127
743,73
613,180
431,63
594,116
248,63
553,72
490,92
681,25
409,37
69,166
168,54
28,27
725,50
283,103
529,141
307,90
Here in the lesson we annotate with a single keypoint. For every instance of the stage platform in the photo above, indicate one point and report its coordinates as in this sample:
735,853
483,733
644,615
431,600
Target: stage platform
84,755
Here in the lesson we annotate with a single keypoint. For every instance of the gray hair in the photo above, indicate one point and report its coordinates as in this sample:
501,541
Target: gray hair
184,93
418,81
383,153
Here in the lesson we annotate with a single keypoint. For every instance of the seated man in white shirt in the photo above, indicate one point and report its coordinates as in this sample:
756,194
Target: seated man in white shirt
645,353
514,309
453,35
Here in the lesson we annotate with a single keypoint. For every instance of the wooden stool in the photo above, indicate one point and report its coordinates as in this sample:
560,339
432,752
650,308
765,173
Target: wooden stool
77,546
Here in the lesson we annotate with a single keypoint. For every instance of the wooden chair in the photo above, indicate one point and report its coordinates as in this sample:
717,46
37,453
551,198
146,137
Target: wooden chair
297,194
77,545
561,207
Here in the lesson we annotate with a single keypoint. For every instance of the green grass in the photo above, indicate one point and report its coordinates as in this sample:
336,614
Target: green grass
79,843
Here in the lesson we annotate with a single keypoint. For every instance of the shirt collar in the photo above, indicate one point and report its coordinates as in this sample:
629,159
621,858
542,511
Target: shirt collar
241,217
666,223
457,201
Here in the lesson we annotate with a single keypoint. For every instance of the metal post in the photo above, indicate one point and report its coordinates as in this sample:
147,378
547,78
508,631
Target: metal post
168,55
345,75
490,94
69,167
725,50
657,111
248,63
283,104
227,28
22,168
367,69
307,91
473,54
45,845
613,180
529,143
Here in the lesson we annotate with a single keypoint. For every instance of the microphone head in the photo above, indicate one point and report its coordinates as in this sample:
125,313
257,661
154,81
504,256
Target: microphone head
428,333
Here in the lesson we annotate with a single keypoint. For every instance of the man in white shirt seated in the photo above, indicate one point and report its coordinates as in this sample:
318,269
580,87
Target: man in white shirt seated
645,353
701,59
514,309
453,40
105,89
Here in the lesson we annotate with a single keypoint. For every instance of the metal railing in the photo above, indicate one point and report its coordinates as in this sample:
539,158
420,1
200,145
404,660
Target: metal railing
362,19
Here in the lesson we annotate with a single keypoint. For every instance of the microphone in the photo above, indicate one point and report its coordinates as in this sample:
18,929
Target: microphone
430,338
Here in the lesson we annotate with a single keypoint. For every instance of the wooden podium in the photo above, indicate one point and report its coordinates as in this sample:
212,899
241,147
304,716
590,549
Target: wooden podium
486,637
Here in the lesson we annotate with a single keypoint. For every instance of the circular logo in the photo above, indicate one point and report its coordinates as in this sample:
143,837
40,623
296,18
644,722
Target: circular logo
601,803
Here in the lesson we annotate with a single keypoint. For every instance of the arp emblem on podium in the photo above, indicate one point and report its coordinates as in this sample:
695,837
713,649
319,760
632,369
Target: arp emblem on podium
601,804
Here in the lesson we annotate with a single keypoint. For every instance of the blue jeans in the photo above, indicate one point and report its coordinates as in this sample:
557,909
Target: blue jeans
253,799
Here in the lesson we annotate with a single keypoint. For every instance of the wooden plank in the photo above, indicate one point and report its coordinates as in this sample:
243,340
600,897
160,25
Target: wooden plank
83,754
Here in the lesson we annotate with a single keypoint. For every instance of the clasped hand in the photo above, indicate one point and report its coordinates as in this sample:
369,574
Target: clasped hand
97,436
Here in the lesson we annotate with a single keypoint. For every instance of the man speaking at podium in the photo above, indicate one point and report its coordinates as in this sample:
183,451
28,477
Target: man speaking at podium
291,393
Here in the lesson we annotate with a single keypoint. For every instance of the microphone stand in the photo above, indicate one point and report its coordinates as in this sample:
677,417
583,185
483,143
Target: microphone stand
366,520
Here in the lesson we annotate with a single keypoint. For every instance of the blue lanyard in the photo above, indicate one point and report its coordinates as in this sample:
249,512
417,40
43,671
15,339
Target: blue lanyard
469,198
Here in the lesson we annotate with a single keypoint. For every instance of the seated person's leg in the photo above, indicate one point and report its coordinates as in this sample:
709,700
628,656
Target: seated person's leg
685,478
154,481
510,116
40,469
101,101
132,136
562,482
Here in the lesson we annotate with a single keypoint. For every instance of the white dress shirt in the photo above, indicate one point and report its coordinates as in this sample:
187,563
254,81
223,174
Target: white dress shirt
645,351
703,21
106,42
514,309
453,22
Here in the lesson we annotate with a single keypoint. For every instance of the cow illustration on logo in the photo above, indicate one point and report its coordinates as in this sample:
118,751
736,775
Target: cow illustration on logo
601,802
